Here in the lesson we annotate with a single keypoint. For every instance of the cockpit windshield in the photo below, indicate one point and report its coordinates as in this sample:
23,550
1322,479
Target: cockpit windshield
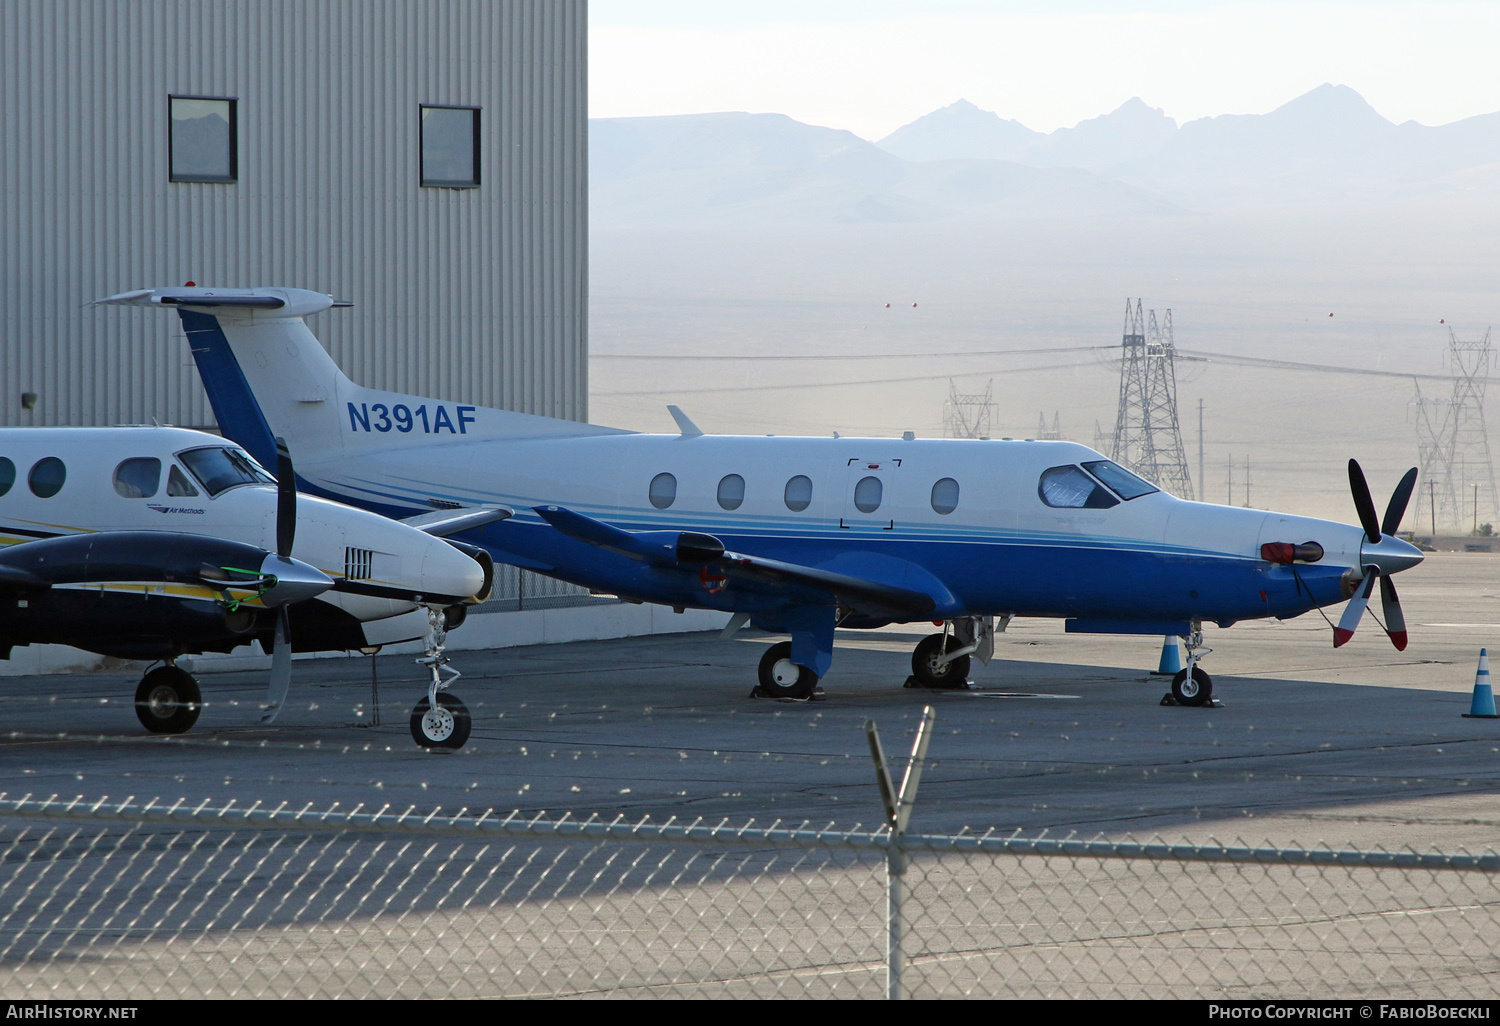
1125,484
219,469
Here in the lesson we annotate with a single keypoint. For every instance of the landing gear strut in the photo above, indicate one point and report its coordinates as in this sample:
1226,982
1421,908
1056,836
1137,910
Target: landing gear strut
168,700
1192,686
440,720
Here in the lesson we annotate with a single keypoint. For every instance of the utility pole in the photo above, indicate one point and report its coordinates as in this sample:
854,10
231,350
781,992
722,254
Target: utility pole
1229,498
1148,435
1202,478
1247,482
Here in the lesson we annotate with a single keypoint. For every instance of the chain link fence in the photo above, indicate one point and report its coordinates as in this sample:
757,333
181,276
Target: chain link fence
126,901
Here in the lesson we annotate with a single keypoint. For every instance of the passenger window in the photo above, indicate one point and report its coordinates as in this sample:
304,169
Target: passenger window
799,493
1071,488
732,491
138,478
867,494
7,474
47,477
178,484
663,491
945,496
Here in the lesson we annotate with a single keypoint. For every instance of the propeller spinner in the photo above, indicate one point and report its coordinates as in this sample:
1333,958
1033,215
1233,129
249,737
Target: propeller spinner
1381,554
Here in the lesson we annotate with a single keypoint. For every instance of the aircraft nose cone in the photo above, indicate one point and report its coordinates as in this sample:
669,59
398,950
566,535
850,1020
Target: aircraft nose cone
296,581
1390,555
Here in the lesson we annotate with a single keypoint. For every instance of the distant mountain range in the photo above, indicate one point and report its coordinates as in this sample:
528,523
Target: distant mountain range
964,163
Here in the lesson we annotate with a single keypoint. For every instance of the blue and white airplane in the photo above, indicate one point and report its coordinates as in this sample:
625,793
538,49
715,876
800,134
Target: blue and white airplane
798,536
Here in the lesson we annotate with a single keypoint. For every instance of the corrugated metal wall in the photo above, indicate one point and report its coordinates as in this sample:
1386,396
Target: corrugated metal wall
475,295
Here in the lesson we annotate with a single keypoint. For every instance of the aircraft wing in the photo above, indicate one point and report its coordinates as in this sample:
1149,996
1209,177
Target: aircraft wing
687,548
853,592
447,522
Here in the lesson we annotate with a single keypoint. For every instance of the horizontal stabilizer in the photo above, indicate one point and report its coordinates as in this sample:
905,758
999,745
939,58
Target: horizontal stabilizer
283,302
447,522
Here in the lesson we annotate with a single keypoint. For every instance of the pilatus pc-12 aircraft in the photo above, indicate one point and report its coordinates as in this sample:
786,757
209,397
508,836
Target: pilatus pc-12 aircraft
153,543
797,536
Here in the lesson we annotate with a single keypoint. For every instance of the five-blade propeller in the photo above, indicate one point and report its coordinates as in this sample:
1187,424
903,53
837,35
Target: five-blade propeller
1375,531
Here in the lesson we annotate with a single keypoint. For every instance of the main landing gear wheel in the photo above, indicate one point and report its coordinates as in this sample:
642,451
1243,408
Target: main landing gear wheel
1197,691
939,676
168,700
782,678
447,726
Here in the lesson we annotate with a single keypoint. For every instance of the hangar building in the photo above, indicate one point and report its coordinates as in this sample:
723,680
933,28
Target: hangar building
426,161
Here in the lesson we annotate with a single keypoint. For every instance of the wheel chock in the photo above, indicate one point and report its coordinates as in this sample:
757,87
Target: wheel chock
1212,703
1171,658
1483,705
967,685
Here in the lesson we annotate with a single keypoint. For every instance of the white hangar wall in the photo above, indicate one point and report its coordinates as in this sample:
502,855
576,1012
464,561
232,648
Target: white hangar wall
474,294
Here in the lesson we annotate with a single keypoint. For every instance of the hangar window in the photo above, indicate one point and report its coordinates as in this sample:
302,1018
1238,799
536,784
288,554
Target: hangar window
799,493
1071,488
47,477
202,141
7,474
1125,484
663,490
732,491
138,478
450,147
867,494
945,496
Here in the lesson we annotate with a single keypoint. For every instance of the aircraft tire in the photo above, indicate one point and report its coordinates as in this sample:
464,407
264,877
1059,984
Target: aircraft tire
1199,692
950,676
448,728
168,700
782,678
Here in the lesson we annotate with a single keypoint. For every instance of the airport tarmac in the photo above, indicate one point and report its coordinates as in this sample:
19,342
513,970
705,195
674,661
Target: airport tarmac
1364,746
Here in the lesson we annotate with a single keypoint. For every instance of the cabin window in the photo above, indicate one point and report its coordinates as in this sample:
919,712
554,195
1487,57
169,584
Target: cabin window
138,478
1071,488
178,484
1124,484
7,474
867,494
663,491
799,493
47,477
945,496
732,491
219,469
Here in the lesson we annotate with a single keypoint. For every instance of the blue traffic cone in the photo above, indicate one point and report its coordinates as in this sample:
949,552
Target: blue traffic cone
1171,658
1483,706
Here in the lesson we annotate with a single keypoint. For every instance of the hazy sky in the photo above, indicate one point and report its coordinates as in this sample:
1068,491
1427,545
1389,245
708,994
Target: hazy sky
873,65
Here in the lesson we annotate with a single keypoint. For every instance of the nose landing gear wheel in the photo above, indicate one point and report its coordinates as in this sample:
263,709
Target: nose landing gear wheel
447,726
168,700
782,678
949,676
1197,691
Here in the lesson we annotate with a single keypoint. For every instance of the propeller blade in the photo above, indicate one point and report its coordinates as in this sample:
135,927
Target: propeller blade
1396,508
286,499
1395,620
281,667
1363,504
1355,610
